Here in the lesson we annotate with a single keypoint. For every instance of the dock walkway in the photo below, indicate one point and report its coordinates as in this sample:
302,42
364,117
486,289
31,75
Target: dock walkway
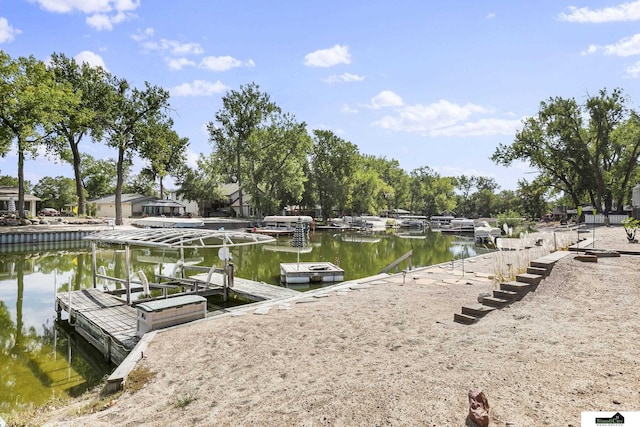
104,320
250,289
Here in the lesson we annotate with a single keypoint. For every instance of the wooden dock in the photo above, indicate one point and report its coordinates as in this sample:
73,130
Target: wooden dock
110,325
249,289
104,320
305,272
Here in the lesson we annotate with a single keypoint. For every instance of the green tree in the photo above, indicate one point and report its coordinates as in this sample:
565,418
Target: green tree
31,102
202,184
274,163
396,194
164,151
91,86
12,181
431,194
243,112
368,188
98,176
57,192
580,148
132,112
333,163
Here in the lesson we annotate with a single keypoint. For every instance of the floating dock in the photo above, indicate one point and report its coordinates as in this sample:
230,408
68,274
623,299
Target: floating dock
305,272
104,320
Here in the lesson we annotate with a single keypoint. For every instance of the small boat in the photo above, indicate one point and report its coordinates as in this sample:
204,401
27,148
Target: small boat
275,225
168,222
484,232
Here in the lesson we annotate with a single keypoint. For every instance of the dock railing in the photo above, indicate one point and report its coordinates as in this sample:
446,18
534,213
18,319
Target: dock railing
397,262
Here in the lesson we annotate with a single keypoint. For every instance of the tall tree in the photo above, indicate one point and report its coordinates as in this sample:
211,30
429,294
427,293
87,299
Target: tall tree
578,147
98,176
333,163
31,102
431,194
243,112
368,189
274,164
164,151
58,192
202,184
132,112
91,86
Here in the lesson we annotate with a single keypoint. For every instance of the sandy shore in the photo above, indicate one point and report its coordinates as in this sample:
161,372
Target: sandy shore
386,352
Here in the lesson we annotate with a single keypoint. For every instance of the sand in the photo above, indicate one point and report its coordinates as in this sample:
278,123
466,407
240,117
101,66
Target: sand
385,352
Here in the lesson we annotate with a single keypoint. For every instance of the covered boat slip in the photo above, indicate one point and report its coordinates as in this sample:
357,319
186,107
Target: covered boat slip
114,326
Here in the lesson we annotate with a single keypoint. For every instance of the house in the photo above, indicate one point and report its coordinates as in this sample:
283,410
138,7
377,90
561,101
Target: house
132,205
229,203
9,198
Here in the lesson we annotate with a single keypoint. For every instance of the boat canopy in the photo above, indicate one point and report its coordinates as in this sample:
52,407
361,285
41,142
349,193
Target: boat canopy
179,238
288,219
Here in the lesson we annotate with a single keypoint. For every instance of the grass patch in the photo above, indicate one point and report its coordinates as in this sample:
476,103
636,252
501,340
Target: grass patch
138,378
183,402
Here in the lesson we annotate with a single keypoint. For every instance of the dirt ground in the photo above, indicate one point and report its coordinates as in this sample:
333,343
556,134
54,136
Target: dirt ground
385,352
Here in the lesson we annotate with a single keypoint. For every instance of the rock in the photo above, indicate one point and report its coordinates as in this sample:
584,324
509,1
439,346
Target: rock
478,407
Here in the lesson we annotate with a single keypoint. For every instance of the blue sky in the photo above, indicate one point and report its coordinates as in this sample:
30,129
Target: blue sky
425,82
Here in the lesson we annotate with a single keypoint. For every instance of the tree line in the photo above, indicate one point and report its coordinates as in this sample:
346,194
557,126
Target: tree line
584,153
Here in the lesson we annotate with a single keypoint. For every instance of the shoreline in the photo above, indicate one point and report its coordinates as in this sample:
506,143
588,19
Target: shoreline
366,328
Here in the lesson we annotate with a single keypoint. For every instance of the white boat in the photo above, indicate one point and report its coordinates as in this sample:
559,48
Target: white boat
437,222
168,222
282,224
484,232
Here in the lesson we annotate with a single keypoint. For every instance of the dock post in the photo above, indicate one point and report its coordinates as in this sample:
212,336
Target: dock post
94,263
127,263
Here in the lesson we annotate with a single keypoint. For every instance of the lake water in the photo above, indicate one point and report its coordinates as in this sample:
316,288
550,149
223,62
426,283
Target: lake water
41,359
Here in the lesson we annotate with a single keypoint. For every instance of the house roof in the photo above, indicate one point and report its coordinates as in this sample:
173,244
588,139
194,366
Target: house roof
126,198
7,192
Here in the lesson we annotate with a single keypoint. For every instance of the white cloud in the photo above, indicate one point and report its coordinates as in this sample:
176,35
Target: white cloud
624,12
386,98
634,70
348,110
178,48
103,13
7,32
490,15
344,78
429,118
198,88
141,35
179,63
224,63
483,127
628,46
328,57
90,58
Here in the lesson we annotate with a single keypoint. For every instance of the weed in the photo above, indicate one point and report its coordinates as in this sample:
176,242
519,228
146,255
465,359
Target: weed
183,402
138,378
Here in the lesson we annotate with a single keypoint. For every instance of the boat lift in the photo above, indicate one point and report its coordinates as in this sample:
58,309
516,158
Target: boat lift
171,238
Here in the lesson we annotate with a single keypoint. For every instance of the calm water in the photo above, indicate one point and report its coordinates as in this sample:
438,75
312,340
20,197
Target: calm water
41,359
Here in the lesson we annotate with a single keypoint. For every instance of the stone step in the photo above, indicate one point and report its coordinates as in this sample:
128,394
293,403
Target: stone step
508,295
586,258
519,287
465,319
546,265
532,279
495,302
538,270
477,310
